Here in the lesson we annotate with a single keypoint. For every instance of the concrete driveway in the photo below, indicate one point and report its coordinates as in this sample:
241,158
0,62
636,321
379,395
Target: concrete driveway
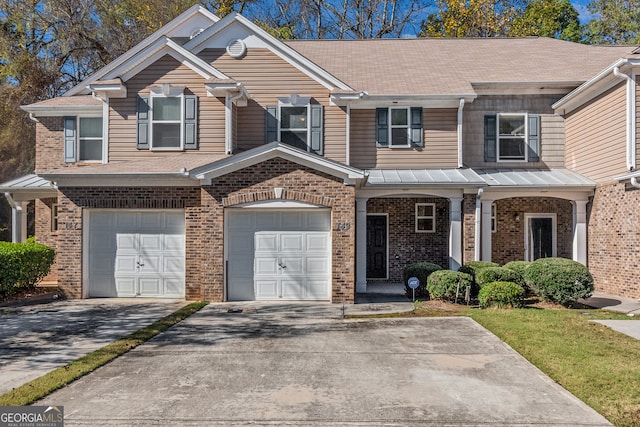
301,364
40,338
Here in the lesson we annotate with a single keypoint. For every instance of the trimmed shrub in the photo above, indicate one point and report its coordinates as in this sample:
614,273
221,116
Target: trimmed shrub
520,267
421,270
497,274
501,294
442,284
472,268
23,265
559,280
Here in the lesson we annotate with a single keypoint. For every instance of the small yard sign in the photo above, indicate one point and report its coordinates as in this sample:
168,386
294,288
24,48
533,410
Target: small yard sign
413,283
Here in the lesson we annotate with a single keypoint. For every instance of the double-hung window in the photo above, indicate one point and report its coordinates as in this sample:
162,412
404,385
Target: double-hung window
425,217
297,122
512,137
83,140
166,122
399,127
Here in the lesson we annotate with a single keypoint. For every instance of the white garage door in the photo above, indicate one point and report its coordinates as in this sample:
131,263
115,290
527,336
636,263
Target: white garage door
279,255
136,254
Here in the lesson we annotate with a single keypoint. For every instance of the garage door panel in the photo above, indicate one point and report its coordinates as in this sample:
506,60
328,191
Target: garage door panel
317,265
136,253
268,221
293,265
317,242
267,288
292,221
240,220
291,242
266,243
317,289
293,288
266,265
318,221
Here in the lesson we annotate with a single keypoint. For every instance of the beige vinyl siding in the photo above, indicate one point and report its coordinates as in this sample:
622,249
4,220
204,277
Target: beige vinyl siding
267,77
596,136
122,112
440,142
637,121
551,129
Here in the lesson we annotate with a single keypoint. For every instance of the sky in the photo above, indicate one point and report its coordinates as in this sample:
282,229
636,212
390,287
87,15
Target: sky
581,7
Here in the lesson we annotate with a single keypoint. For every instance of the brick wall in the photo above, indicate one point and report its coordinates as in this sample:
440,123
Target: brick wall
407,246
614,240
204,213
468,228
50,144
508,241
44,234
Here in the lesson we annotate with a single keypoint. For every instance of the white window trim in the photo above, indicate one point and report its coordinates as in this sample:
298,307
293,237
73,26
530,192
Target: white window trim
166,91
392,126
433,230
94,138
554,231
307,105
494,217
525,139
54,217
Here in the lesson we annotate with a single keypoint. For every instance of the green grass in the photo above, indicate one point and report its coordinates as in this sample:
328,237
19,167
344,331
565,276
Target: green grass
46,384
596,364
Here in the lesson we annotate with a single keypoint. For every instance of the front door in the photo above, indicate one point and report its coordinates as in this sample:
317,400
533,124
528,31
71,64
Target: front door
541,237
376,246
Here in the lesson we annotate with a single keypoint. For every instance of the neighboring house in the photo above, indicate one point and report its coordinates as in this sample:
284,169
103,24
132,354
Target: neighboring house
215,162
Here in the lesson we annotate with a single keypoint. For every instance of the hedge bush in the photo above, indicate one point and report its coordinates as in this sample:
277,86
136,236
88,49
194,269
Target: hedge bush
501,294
497,274
421,270
472,268
23,265
520,267
559,280
442,284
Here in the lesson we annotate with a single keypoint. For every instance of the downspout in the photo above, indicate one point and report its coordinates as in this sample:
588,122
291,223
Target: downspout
228,118
347,136
631,119
460,163
477,224
16,217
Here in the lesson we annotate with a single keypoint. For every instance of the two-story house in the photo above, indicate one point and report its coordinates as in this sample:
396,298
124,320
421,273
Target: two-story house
215,162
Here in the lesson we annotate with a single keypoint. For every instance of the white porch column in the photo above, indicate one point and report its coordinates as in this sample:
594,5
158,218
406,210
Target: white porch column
361,244
455,233
580,231
18,219
485,225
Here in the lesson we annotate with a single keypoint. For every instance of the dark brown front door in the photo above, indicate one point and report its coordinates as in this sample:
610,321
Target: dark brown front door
376,247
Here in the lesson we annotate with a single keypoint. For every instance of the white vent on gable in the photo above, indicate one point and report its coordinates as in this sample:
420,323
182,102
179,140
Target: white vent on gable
195,33
236,48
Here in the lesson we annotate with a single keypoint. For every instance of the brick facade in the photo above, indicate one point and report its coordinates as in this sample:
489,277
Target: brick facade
468,228
507,242
44,232
407,246
204,213
50,146
614,239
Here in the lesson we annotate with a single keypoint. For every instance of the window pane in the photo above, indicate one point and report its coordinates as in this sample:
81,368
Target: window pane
166,108
295,138
512,125
90,149
166,135
425,224
293,117
512,148
90,127
425,210
399,136
399,117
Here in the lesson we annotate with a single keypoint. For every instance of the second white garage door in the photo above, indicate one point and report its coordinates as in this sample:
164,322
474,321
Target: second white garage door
278,255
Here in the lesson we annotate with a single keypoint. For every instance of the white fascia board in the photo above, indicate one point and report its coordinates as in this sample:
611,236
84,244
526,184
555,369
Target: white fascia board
427,101
61,111
288,54
525,88
121,180
125,57
276,150
494,193
163,47
598,84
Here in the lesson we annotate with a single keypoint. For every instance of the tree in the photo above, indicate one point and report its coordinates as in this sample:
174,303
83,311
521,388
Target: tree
616,22
548,18
472,18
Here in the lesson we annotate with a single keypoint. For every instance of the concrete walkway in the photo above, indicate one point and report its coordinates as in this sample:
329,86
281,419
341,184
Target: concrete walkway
628,306
303,365
37,339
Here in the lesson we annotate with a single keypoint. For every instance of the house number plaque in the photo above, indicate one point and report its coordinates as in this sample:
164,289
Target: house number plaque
343,226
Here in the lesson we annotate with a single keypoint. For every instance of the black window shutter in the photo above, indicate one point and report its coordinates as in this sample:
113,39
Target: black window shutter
533,138
142,115
317,144
417,133
271,124
382,127
490,138
69,126
190,122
